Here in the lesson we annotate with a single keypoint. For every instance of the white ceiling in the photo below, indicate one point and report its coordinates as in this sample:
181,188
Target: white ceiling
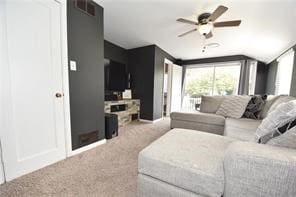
268,26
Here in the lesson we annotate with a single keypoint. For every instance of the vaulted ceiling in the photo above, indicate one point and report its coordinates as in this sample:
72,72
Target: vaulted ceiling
268,26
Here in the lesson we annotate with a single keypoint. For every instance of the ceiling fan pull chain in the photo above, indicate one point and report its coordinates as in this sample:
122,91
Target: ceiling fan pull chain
204,44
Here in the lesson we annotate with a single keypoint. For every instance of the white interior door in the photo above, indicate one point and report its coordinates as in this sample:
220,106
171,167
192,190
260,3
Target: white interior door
175,76
35,132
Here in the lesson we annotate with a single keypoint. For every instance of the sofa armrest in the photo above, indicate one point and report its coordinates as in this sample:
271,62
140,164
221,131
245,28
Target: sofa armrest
207,122
259,170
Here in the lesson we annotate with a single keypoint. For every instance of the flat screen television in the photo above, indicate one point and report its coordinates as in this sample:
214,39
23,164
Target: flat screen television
115,76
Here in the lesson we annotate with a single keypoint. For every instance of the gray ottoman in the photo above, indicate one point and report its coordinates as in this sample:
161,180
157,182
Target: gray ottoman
183,163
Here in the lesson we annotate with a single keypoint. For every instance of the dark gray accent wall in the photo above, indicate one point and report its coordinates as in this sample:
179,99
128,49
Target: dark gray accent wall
146,66
271,77
86,47
261,78
115,52
141,68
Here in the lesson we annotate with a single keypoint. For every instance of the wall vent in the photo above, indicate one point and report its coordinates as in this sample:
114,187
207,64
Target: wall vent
86,6
88,138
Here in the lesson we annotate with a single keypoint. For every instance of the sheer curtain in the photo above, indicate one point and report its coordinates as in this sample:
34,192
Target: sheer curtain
247,82
284,73
252,76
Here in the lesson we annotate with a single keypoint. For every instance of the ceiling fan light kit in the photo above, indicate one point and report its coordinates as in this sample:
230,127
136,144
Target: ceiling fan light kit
206,22
205,28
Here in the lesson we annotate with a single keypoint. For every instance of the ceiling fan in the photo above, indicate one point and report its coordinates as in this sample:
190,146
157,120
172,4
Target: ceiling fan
206,22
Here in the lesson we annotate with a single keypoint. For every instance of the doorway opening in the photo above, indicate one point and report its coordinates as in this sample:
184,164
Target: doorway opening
172,88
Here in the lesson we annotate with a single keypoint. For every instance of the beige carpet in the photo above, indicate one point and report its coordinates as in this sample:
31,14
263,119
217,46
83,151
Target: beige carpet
108,170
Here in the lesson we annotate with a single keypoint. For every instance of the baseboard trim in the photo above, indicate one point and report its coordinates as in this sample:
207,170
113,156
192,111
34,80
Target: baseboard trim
88,147
151,121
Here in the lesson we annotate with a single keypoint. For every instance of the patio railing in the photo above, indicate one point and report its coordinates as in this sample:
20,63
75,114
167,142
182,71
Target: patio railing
189,104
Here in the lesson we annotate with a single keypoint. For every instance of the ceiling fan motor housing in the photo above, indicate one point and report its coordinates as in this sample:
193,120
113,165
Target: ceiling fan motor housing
203,18
206,22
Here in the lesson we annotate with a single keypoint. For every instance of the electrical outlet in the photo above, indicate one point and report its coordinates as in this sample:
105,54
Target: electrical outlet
73,65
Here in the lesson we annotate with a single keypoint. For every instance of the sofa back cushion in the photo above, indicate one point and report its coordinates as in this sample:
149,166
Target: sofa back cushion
280,100
269,101
273,102
233,106
210,104
282,115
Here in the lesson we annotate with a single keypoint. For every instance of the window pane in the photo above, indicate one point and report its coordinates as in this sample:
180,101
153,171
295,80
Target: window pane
199,81
216,79
226,80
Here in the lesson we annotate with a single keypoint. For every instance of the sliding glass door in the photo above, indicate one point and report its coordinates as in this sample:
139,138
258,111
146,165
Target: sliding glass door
226,80
214,79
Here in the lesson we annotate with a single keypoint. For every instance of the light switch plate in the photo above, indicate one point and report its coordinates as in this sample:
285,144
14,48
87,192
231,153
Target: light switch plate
73,65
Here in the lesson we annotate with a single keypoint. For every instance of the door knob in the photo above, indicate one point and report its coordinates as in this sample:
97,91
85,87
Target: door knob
58,95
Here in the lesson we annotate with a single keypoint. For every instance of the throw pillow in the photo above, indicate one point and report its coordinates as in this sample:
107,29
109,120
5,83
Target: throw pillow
287,140
255,107
233,106
210,104
286,127
282,115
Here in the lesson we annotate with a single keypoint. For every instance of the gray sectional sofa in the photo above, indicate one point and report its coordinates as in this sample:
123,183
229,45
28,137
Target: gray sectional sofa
208,121
191,160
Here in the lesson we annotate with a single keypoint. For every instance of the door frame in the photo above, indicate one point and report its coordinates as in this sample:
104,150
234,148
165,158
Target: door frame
171,71
66,91
170,63
3,60
2,171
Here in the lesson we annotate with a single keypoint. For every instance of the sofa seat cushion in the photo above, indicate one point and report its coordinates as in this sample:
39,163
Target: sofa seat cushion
241,129
187,159
199,117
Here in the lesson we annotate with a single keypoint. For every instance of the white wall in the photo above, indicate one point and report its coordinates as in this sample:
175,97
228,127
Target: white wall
3,64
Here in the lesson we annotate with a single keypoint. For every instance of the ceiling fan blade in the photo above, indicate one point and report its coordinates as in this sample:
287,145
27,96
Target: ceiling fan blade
217,13
228,23
183,20
209,35
188,32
